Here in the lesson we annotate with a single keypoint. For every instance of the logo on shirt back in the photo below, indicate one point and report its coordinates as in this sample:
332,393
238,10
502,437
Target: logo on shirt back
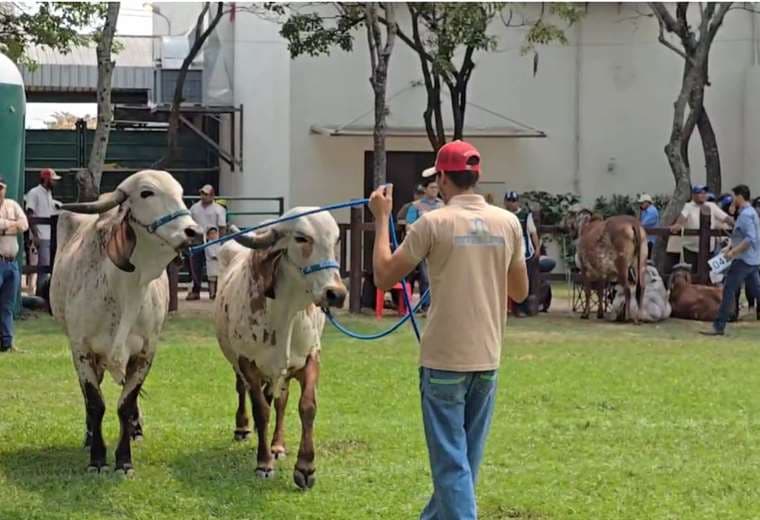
478,235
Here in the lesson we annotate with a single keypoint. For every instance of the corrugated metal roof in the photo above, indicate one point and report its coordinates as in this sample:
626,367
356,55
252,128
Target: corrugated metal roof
136,51
77,71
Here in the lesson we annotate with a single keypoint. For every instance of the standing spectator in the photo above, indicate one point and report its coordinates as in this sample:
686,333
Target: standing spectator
207,213
13,222
427,203
530,242
745,253
40,203
476,258
419,191
212,262
689,219
649,217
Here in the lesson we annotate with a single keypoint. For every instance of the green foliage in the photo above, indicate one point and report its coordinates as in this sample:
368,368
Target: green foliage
625,204
58,25
314,34
553,207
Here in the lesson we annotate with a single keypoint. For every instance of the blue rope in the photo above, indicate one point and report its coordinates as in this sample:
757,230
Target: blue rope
376,335
407,302
350,204
404,293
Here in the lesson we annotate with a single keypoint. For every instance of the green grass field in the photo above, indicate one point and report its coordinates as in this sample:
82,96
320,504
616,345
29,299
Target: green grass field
593,420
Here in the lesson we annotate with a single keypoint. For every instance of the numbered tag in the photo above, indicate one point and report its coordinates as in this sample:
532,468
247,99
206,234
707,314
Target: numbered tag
719,263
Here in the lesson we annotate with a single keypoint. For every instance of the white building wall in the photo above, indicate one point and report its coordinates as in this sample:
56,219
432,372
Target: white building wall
620,113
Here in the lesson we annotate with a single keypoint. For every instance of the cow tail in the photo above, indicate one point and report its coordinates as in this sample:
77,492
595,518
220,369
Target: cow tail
639,272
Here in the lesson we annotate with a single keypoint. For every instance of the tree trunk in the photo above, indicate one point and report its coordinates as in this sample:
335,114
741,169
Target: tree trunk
200,38
380,55
710,149
88,179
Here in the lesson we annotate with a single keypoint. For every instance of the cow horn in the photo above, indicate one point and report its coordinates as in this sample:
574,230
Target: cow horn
106,202
258,240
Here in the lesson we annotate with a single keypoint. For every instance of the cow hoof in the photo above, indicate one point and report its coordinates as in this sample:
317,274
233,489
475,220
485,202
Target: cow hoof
278,452
265,473
304,479
98,468
125,471
241,436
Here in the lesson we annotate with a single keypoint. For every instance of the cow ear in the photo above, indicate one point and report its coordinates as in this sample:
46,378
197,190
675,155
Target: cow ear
121,244
268,269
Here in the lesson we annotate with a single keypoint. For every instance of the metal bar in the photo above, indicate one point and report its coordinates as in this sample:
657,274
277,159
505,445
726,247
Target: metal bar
242,143
224,155
355,274
232,139
282,199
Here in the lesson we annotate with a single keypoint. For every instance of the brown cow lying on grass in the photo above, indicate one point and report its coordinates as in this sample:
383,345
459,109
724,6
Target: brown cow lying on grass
694,302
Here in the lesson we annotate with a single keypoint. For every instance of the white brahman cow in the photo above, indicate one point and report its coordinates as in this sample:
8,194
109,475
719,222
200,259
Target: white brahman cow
110,290
269,324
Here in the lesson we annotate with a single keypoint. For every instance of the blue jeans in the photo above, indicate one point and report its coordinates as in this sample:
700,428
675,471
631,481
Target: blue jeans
10,280
737,274
456,410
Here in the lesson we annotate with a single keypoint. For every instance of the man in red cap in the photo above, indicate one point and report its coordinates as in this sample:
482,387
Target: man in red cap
40,203
475,258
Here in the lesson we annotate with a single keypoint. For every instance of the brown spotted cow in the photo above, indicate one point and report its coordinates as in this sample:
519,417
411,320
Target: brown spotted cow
269,325
611,250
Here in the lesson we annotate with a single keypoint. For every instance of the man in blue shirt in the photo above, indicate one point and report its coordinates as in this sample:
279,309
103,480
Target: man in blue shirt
745,253
428,202
649,217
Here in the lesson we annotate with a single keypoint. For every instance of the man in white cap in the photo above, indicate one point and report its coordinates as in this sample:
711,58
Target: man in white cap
208,214
40,203
649,217
13,222
475,257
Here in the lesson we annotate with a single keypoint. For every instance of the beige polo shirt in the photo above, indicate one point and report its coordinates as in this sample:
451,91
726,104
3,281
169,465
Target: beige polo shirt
691,212
469,246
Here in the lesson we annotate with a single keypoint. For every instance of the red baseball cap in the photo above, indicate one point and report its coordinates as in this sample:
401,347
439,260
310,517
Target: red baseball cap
456,156
49,173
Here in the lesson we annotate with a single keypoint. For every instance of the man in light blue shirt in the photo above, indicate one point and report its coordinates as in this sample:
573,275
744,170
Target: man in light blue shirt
745,253
428,202
649,217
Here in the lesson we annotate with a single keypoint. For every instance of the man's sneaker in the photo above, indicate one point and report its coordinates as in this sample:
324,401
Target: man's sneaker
5,349
712,332
193,296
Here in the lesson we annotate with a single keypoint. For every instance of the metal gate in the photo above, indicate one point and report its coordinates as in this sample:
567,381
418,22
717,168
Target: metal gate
129,150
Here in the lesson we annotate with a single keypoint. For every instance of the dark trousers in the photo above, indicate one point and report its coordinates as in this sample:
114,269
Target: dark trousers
10,280
197,265
738,273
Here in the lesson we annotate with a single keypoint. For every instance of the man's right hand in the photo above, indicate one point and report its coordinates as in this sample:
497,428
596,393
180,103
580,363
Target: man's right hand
675,228
381,202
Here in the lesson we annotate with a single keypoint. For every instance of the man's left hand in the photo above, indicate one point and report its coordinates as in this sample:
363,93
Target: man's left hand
381,201
730,254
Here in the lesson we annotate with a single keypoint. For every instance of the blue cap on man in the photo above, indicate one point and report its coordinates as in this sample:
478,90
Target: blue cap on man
699,188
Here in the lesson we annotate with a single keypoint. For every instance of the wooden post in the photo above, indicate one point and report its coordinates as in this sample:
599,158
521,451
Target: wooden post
355,272
704,245
173,272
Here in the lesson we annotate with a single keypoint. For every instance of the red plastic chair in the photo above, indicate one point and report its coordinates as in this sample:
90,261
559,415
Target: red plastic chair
380,300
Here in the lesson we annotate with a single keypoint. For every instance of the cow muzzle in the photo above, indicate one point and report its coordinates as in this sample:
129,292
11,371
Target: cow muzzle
333,296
